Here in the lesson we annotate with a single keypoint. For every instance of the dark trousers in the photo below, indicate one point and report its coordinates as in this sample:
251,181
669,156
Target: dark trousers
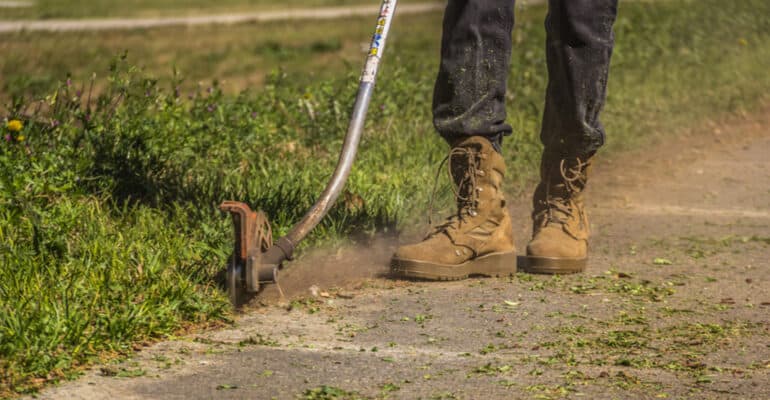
469,96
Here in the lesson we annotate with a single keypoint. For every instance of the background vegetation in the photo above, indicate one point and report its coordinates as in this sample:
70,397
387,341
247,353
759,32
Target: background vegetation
109,232
49,9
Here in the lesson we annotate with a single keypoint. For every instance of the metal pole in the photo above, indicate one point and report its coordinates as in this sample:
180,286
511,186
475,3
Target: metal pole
353,136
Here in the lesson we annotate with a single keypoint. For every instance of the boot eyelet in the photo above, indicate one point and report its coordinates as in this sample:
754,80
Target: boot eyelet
479,189
473,213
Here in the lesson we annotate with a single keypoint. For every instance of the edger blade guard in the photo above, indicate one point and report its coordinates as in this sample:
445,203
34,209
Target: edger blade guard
253,236
256,260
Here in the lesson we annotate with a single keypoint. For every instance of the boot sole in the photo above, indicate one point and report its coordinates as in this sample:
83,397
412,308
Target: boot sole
553,265
492,265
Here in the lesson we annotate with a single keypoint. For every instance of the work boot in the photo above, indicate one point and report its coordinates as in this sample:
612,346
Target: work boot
478,238
560,231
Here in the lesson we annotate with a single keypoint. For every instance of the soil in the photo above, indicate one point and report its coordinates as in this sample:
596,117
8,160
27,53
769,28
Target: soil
674,304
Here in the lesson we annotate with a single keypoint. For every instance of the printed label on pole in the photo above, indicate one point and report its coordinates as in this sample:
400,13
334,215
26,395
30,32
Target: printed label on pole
370,70
378,40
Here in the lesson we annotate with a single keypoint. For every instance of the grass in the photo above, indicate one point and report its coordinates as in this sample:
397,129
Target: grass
325,392
50,9
238,56
109,232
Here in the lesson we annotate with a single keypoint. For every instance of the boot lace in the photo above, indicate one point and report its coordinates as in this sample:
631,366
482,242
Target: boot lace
558,204
465,187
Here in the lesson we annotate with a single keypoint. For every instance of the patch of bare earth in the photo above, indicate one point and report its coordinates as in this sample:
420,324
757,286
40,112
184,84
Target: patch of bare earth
674,305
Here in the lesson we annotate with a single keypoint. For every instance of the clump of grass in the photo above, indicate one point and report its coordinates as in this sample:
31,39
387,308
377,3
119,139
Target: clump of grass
109,232
326,392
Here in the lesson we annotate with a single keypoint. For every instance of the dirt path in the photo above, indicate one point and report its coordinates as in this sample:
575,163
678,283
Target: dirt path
16,4
99,24
674,305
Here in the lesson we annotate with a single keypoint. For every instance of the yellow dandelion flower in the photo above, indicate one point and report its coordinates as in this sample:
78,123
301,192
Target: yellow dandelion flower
20,138
14,125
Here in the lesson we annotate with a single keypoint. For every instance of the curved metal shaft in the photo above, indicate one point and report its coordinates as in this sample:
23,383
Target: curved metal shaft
341,173
353,136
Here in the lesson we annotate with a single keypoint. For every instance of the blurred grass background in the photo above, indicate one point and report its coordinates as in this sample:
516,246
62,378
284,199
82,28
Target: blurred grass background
60,9
109,232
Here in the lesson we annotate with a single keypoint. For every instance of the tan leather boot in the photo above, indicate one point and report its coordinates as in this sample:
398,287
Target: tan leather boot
560,231
478,239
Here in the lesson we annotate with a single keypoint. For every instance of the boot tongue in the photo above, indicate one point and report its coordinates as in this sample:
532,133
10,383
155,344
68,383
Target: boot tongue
559,199
464,168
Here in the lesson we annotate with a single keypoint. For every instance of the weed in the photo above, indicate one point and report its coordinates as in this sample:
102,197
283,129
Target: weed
329,393
259,340
490,348
661,261
109,232
491,369
311,306
388,388
227,386
624,339
443,396
122,372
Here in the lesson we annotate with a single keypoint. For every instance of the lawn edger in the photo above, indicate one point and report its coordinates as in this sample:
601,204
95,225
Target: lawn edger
256,259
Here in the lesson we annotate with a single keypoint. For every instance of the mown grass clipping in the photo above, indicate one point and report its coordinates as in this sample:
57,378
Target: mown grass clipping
109,232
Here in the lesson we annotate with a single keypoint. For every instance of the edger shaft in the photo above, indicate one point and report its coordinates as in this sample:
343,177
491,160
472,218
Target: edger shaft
255,258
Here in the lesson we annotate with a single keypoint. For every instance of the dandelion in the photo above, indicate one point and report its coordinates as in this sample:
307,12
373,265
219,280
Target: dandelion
20,138
14,125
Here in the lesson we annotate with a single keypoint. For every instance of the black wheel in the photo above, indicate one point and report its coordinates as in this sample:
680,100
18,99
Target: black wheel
236,288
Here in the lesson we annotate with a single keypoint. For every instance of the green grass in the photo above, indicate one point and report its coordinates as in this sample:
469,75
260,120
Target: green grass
329,393
237,56
109,232
49,9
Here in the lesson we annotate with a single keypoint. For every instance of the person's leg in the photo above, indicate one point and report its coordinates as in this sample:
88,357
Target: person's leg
578,49
469,112
469,95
